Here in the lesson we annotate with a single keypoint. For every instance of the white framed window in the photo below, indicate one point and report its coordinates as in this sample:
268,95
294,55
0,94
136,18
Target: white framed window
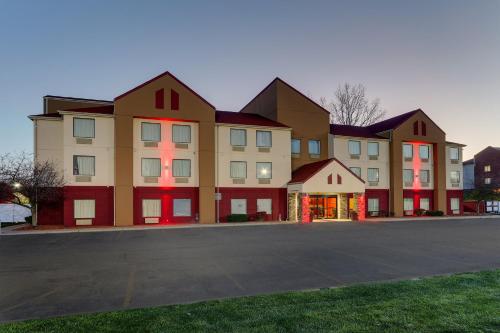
373,149
455,204
373,205
238,169
151,132
408,175
424,152
295,146
151,167
83,165
354,147
356,171
151,207
265,205
84,128
487,168
181,133
487,181
454,154
408,204
181,168
314,147
264,170
425,204
455,177
264,138
84,209
373,175
407,151
182,207
238,137
424,176
238,206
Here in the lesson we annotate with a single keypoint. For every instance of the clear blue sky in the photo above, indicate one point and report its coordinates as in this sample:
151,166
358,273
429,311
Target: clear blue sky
441,56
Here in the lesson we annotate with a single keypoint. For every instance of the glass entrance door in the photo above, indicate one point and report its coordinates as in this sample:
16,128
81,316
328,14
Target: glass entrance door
323,206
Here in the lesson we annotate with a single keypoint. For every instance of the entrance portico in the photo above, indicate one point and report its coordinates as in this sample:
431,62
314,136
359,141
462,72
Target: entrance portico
325,190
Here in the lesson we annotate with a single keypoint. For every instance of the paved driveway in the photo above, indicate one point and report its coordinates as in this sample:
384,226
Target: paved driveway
57,274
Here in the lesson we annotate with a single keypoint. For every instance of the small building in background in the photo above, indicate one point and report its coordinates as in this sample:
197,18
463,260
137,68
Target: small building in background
468,167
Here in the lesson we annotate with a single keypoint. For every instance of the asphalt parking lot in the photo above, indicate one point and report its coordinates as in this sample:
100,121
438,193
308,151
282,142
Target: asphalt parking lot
58,274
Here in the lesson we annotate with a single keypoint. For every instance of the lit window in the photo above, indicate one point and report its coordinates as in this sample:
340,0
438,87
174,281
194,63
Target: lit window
264,170
151,208
373,205
408,204
408,176
295,146
407,151
373,149
354,147
264,138
424,152
264,205
181,133
238,169
425,203
454,154
455,177
314,147
83,128
455,204
151,167
487,168
356,171
182,207
181,168
84,209
238,137
424,176
238,206
373,175
83,165
151,132
487,181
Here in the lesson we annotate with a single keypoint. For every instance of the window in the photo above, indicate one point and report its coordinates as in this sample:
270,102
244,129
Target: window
151,208
238,137
264,139
238,169
408,204
295,146
238,206
454,203
354,147
83,128
373,149
181,168
425,203
408,176
264,205
424,176
84,209
151,167
373,175
373,205
455,177
454,154
407,151
487,181
159,99
314,147
424,152
264,170
151,132
174,100
356,171
415,128
181,133
424,129
182,207
84,165
487,168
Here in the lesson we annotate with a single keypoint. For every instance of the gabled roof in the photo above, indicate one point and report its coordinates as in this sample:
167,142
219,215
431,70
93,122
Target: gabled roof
391,123
108,109
355,131
277,79
167,73
307,171
240,118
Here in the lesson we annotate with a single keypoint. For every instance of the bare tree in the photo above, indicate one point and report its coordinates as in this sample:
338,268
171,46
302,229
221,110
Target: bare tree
352,107
32,183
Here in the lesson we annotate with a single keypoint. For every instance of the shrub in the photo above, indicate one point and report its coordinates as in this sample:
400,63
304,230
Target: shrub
28,219
434,213
260,216
419,212
237,218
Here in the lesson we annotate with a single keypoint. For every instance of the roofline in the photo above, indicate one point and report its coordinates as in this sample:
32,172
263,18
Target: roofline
288,85
284,128
158,77
415,112
78,99
324,166
455,144
35,116
107,115
362,137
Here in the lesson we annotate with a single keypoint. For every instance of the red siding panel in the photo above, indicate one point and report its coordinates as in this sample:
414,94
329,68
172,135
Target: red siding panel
417,194
104,205
383,200
160,99
454,194
424,129
174,100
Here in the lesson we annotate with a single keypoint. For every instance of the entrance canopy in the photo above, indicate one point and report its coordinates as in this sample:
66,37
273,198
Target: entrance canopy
326,176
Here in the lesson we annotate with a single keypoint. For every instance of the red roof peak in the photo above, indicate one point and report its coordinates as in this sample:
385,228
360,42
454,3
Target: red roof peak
307,171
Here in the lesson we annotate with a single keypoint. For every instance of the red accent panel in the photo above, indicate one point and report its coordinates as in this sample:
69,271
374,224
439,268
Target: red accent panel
339,179
51,213
362,207
104,205
330,179
415,128
174,100
166,194
277,195
454,194
306,212
417,194
424,129
383,199
160,99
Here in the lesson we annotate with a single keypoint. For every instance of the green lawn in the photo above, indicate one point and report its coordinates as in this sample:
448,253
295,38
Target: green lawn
459,303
